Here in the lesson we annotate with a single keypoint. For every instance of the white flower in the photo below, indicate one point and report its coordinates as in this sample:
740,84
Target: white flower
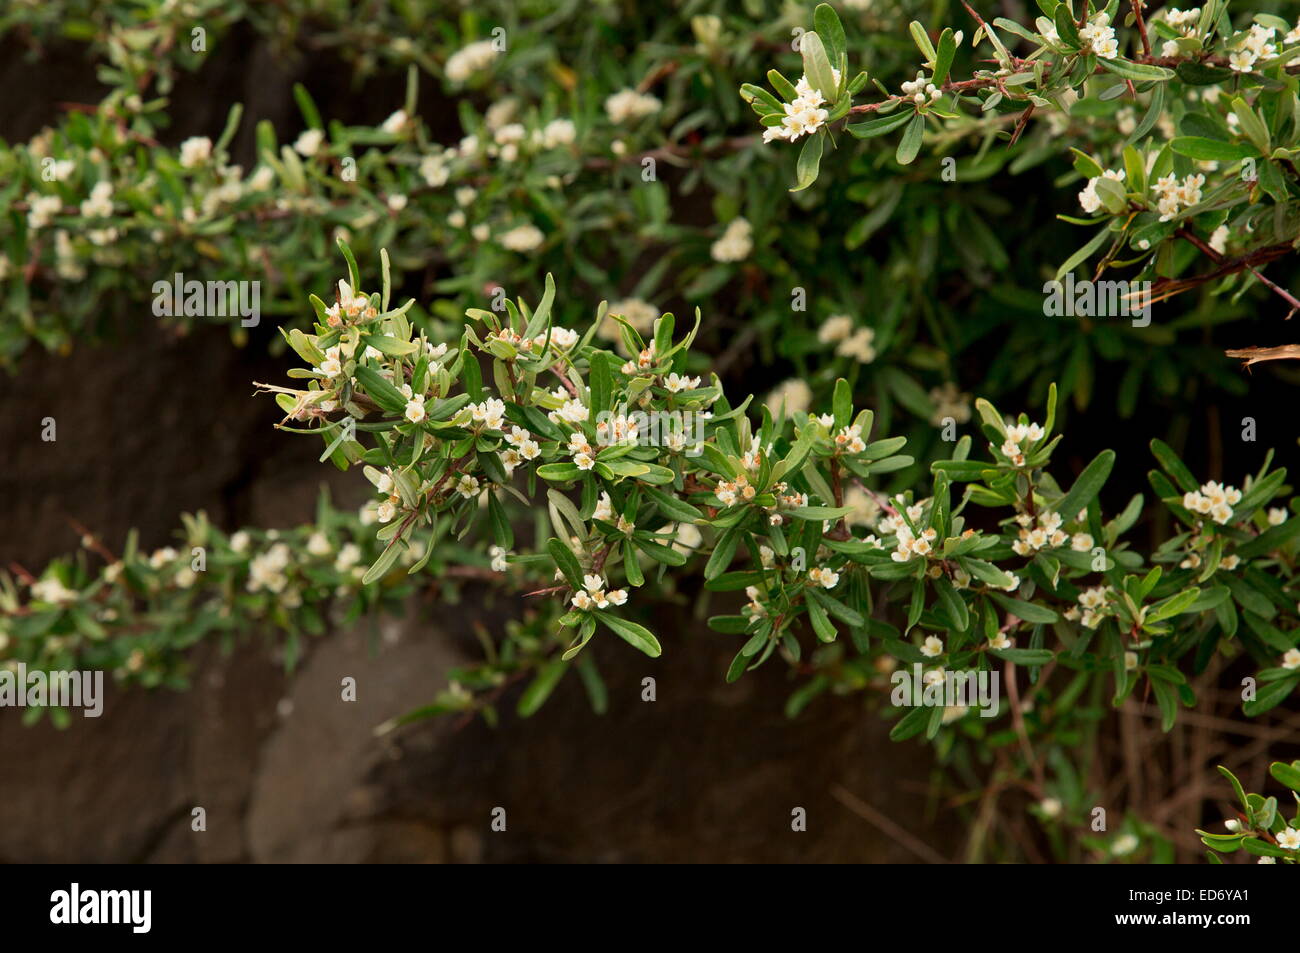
469,60
522,238
415,409
318,544
396,122
239,541
261,179
1124,844
53,591
1050,807
195,151
735,243
835,328
100,203
1276,516
435,170
161,557
309,142
557,133
348,557
572,411
859,346
1242,60
628,105
932,647
675,383
1291,660
332,366
1219,239
826,578
490,413
1000,641
41,209
802,119
794,395
1289,839
386,511
467,486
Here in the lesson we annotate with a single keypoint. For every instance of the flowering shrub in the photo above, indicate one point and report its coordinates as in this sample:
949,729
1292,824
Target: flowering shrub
1209,163
596,467
842,582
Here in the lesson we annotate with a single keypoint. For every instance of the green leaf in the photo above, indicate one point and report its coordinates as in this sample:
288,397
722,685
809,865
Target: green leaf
1252,125
384,562
880,125
1200,74
822,625
784,88
501,529
833,606
635,635
672,507
723,553
810,157
1138,72
827,24
1085,488
910,144
1027,657
1028,611
1176,604
1269,696
380,390
566,562
943,57
911,724
1288,774
817,65
540,688
1197,147
1174,466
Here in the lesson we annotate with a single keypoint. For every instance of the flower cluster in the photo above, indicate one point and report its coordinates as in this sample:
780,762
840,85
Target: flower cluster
920,90
594,596
1098,36
1172,195
1047,534
804,115
1094,605
1019,438
1213,500
735,243
850,341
